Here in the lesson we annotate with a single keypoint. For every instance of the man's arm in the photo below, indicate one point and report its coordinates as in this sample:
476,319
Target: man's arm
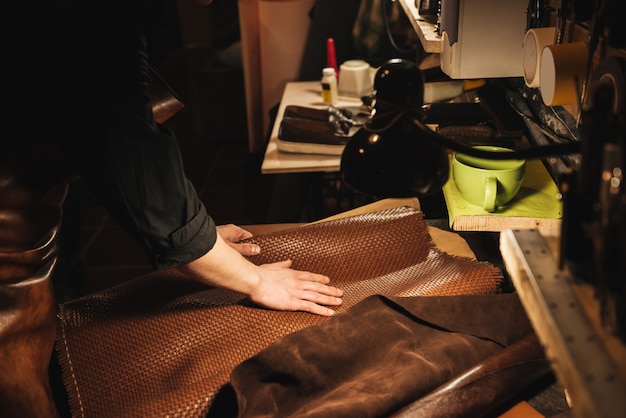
275,286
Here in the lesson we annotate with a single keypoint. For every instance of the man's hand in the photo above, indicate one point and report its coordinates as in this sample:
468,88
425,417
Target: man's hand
233,234
284,288
274,286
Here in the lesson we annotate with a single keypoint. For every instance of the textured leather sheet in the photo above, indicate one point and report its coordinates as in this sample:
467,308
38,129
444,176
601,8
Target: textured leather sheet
162,345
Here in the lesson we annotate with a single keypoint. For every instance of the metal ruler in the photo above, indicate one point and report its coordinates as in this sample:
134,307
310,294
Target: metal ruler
572,344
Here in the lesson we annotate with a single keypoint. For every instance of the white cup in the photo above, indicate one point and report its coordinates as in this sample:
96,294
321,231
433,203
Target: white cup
355,79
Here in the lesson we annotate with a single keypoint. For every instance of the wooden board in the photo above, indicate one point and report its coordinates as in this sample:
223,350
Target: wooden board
588,360
425,30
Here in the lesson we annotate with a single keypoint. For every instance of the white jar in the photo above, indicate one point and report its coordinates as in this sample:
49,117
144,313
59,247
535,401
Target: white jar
355,79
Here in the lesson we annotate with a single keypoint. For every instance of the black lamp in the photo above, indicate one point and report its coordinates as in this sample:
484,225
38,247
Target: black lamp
386,157
396,155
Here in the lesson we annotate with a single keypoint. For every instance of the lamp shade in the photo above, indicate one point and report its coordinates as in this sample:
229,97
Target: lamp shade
390,156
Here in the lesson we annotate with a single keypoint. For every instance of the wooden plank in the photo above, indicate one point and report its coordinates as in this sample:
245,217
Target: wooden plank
591,370
426,31
490,223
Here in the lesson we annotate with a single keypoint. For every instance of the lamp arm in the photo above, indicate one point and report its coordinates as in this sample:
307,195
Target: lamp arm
531,153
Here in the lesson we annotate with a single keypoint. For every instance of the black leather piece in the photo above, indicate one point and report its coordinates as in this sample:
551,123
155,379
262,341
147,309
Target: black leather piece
311,132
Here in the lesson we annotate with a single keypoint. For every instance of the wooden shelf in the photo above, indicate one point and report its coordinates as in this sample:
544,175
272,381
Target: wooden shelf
426,31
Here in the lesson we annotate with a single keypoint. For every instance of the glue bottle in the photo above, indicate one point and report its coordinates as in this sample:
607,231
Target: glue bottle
329,86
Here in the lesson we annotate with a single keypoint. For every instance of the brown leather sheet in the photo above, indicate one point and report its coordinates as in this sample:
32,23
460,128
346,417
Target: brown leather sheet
386,353
163,345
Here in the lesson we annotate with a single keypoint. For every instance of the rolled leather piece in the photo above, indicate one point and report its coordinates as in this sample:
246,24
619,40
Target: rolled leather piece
33,186
486,386
32,193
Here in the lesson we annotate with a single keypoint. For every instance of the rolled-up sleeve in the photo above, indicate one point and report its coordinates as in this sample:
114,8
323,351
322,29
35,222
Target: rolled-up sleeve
137,173
189,242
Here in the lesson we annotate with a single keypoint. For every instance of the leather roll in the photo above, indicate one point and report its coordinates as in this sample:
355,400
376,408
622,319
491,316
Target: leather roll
487,385
32,191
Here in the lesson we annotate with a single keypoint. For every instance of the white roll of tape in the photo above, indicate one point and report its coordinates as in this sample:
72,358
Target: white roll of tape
534,42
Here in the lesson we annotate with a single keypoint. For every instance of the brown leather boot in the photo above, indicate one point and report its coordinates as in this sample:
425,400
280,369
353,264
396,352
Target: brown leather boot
30,215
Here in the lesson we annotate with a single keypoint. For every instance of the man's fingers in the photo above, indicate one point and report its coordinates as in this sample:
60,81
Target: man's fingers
247,249
319,283
315,309
321,298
